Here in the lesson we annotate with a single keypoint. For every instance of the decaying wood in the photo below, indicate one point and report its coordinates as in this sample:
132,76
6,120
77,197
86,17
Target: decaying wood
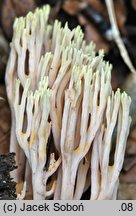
7,186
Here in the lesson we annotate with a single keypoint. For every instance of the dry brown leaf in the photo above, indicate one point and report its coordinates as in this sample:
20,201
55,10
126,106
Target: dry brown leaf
127,192
121,15
130,176
71,6
131,143
11,9
129,162
91,34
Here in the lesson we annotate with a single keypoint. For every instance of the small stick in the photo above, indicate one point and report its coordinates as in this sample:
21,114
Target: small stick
117,37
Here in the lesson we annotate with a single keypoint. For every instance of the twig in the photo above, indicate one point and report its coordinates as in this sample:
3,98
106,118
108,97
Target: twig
117,37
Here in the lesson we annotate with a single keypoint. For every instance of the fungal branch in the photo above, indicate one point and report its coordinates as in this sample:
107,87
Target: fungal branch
22,64
104,177
82,177
33,131
117,37
84,90
71,57
33,43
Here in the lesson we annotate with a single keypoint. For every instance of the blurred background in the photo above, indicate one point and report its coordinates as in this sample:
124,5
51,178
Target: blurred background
93,17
